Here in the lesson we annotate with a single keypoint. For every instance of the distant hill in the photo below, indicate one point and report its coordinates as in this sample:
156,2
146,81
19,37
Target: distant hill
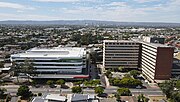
90,22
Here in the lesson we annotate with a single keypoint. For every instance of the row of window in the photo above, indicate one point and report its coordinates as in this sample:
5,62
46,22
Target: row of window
121,62
135,54
115,43
61,60
58,64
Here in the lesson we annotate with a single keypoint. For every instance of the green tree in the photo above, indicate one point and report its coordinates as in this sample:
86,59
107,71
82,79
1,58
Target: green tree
39,94
118,97
130,82
167,88
1,64
28,68
24,91
34,82
142,98
76,89
115,81
134,73
121,69
98,90
60,82
95,82
86,83
175,97
124,92
127,75
16,69
78,83
108,74
177,84
2,90
50,82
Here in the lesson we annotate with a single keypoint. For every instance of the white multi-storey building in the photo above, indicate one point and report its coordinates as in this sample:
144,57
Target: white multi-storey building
57,62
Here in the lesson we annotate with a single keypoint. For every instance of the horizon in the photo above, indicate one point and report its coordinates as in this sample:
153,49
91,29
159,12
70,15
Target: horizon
85,20
160,11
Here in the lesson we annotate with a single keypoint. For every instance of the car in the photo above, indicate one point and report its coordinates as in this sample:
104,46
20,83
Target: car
138,87
105,95
52,86
36,86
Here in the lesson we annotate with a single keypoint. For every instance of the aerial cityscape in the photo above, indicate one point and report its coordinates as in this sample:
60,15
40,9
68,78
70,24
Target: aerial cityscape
89,51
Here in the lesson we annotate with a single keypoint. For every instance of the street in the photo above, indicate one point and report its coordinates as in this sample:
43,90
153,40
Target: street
13,89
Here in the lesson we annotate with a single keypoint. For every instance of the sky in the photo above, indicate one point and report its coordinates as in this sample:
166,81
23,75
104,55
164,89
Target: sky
104,10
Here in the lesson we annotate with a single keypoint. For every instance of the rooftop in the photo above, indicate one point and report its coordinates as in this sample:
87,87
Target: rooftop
80,97
55,97
128,41
59,52
152,44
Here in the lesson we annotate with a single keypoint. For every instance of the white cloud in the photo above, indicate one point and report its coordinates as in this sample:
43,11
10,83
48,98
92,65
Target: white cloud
115,11
144,1
5,16
66,1
56,0
11,5
14,6
118,4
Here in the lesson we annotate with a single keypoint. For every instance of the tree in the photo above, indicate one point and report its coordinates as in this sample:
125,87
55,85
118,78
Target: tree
108,74
28,68
177,84
175,97
16,69
78,83
34,82
92,83
121,69
167,88
142,98
1,64
76,89
98,90
127,75
39,94
60,82
24,91
115,81
95,82
124,92
134,73
130,82
2,90
118,98
50,82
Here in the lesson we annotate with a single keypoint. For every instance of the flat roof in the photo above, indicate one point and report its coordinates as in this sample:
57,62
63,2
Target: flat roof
152,44
58,52
128,41
55,97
